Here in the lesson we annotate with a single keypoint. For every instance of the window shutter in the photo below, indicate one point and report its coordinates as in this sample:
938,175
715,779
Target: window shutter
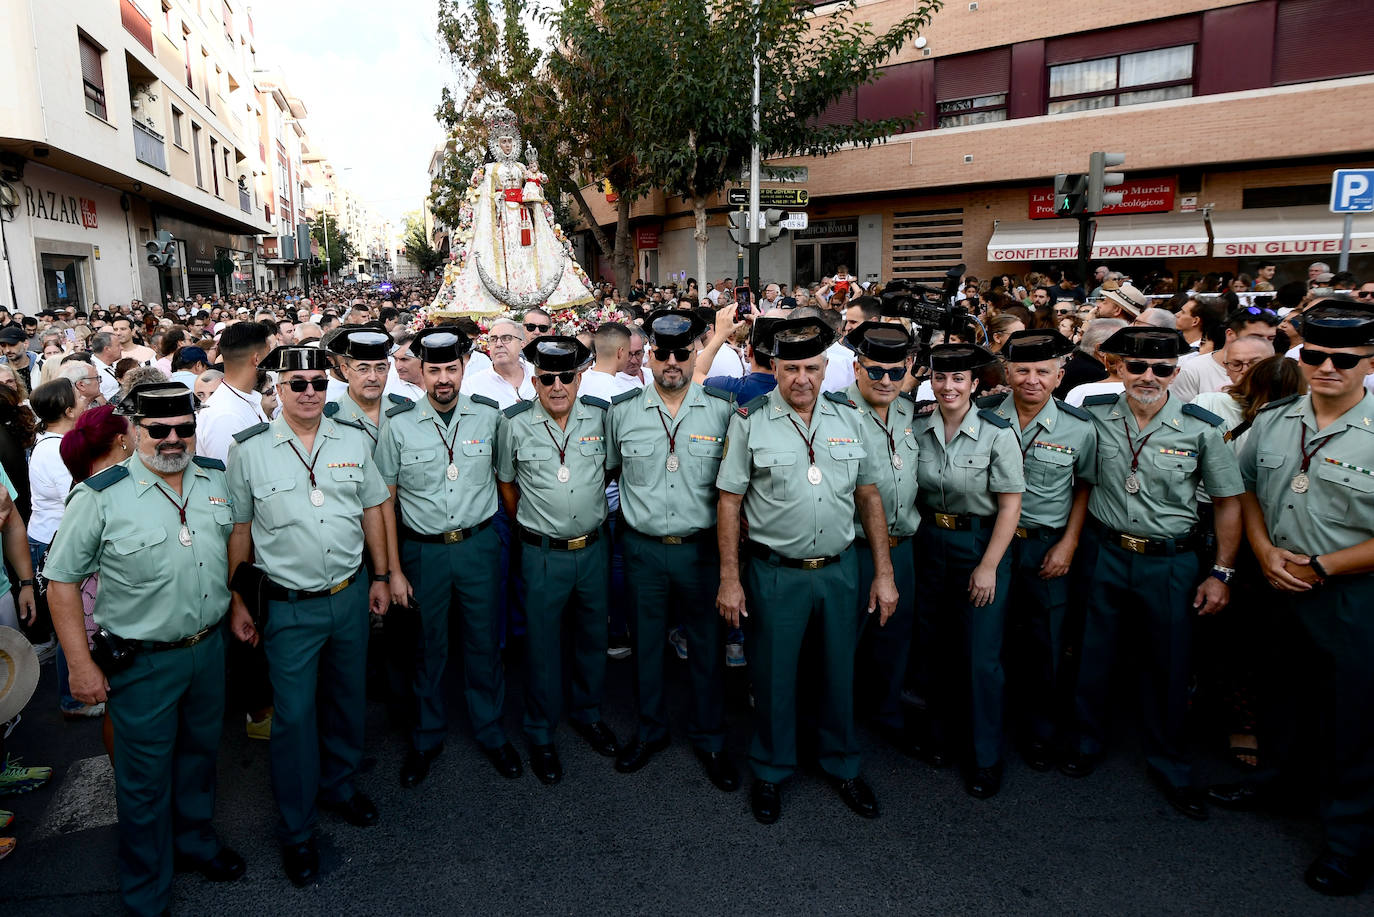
1148,36
1319,40
964,76
90,64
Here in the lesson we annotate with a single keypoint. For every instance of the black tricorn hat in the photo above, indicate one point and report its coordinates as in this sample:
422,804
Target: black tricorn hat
158,399
362,344
1034,345
555,353
293,358
1145,343
1337,325
673,328
953,358
800,338
761,335
882,342
440,345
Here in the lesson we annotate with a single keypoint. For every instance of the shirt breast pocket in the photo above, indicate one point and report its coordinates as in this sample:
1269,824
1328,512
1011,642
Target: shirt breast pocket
138,555
533,453
777,468
1268,464
1049,468
1176,467
416,468
272,502
971,472
705,460
636,462
1108,455
847,456
1348,499
223,516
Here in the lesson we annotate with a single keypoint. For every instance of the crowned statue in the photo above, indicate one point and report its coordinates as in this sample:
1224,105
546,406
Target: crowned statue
509,254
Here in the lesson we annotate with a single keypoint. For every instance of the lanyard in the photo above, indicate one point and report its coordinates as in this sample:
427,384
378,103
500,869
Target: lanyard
448,444
241,397
181,507
1130,443
1316,447
563,449
672,434
810,443
891,441
309,467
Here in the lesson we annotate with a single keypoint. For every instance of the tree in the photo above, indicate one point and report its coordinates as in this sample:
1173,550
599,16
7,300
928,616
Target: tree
419,250
339,247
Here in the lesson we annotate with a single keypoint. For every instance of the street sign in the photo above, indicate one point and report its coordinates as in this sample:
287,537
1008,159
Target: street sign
771,197
795,220
782,175
1352,191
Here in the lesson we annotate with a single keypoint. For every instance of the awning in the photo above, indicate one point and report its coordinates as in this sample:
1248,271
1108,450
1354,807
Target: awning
1287,231
1148,235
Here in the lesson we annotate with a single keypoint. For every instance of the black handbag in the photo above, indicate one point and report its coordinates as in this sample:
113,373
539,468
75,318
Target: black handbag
112,654
251,582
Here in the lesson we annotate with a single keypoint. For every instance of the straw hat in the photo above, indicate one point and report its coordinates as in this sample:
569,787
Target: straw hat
18,672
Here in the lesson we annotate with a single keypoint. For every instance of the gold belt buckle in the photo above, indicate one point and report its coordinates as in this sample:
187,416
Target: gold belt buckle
335,590
1134,544
196,638
453,537
1021,532
948,521
578,543
672,539
812,563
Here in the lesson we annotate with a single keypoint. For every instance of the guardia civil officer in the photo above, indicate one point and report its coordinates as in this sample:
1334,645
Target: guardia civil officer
796,467
1308,466
969,473
1059,445
882,362
365,354
1153,452
438,458
551,475
307,500
667,439
156,528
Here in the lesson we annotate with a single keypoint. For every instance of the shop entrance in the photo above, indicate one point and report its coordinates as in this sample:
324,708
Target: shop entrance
822,247
64,281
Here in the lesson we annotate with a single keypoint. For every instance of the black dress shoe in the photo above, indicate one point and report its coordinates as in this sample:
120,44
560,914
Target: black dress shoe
1241,797
1038,755
984,782
720,770
1187,800
416,766
1337,875
506,760
637,754
599,737
301,862
766,800
1078,765
224,866
856,794
545,764
357,810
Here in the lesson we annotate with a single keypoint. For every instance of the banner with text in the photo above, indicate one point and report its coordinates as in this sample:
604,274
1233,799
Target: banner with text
1139,195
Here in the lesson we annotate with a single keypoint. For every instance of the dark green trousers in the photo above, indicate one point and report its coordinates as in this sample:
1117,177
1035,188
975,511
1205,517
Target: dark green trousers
1152,596
960,646
439,573
884,649
660,579
782,601
563,585
317,657
167,709
1038,609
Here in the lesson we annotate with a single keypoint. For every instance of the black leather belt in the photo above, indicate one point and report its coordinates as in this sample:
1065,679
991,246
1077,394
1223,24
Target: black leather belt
765,553
958,522
281,593
702,535
1038,533
1140,544
157,646
560,544
452,537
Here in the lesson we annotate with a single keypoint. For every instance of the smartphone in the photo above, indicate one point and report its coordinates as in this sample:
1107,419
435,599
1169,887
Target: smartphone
744,296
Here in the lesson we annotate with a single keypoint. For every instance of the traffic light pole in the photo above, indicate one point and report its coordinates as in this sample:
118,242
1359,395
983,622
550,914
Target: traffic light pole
1085,248
754,170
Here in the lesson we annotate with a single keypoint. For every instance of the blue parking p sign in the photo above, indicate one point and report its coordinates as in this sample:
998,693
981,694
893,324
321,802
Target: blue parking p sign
1352,191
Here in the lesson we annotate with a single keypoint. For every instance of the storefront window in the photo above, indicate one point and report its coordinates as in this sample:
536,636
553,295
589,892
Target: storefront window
64,281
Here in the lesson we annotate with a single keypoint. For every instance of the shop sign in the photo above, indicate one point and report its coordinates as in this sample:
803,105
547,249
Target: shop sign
646,237
1142,195
41,204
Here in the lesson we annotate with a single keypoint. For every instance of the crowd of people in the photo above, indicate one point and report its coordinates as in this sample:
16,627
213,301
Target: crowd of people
218,505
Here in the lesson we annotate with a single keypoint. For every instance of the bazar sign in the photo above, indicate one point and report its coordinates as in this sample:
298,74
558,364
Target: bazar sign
60,208
1117,250
1141,195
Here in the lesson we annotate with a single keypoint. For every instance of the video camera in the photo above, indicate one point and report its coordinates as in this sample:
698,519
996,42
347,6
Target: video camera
929,308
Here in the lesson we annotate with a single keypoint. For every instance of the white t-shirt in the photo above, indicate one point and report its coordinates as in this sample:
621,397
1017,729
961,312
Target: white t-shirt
839,368
1203,374
490,384
50,482
227,411
727,362
109,385
1075,395
605,385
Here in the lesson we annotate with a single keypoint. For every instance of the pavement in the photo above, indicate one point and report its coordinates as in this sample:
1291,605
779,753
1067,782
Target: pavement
665,840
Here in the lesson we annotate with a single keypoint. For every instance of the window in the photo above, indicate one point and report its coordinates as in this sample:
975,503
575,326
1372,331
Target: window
168,21
227,171
186,55
195,152
177,117
214,163
92,76
977,110
228,18
1130,79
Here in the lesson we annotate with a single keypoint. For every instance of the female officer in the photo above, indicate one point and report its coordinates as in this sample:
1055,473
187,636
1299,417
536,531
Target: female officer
969,477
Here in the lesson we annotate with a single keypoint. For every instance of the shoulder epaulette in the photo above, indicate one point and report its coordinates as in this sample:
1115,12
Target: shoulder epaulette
107,477
752,405
593,401
924,408
400,407
994,419
988,402
331,408
841,398
244,435
1072,410
722,394
398,399
626,395
1201,413
1279,403
205,461
477,399
1094,400
518,408
909,396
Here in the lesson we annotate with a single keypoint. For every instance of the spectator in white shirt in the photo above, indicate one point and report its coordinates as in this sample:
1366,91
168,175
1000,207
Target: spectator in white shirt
104,355
611,347
1208,373
635,370
85,382
235,405
509,380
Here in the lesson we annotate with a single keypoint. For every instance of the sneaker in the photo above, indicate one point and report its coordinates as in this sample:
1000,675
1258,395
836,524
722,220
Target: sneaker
10,724
6,846
6,819
46,651
84,712
619,647
678,639
15,778
258,729
734,656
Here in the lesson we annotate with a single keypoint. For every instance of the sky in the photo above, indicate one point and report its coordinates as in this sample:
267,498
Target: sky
370,75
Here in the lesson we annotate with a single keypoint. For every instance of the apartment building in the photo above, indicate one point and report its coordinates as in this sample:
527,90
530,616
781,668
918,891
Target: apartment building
1232,116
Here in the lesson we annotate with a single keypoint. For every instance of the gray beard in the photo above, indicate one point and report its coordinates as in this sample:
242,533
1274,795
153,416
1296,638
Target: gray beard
684,381
167,464
1150,399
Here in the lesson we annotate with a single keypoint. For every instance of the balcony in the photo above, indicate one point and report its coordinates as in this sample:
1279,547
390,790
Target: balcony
149,148
245,200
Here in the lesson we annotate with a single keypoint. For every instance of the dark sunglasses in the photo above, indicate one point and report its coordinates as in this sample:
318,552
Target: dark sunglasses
160,430
1338,360
895,373
681,354
300,385
531,326
547,378
1140,367
1365,294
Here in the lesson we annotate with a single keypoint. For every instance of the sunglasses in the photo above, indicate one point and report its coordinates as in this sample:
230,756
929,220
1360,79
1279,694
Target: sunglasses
300,385
1365,294
1338,360
895,373
547,378
531,326
1140,367
160,430
681,354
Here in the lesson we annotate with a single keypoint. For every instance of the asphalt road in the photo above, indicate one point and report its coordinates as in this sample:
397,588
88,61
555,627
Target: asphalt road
665,841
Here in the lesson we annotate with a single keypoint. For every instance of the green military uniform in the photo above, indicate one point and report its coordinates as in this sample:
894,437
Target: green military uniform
167,707
1329,633
1152,571
566,557
671,557
448,547
889,646
960,645
800,538
317,620
1060,450
347,411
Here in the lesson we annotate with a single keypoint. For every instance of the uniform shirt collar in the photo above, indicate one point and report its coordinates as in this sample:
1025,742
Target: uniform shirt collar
283,433
652,398
346,403
1360,416
144,477
779,408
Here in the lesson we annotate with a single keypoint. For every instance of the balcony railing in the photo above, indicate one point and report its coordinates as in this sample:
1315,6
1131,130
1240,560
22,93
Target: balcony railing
149,148
245,200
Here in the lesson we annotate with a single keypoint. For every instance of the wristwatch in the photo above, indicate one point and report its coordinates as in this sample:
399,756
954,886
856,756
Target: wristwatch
1225,574
381,577
28,582
1316,566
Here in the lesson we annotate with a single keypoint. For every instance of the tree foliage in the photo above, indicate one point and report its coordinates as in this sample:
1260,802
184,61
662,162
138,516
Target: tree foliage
340,248
419,250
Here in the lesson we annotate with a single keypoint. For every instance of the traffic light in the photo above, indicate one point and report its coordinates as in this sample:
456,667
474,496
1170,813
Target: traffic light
1099,179
739,227
162,250
1070,194
772,226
